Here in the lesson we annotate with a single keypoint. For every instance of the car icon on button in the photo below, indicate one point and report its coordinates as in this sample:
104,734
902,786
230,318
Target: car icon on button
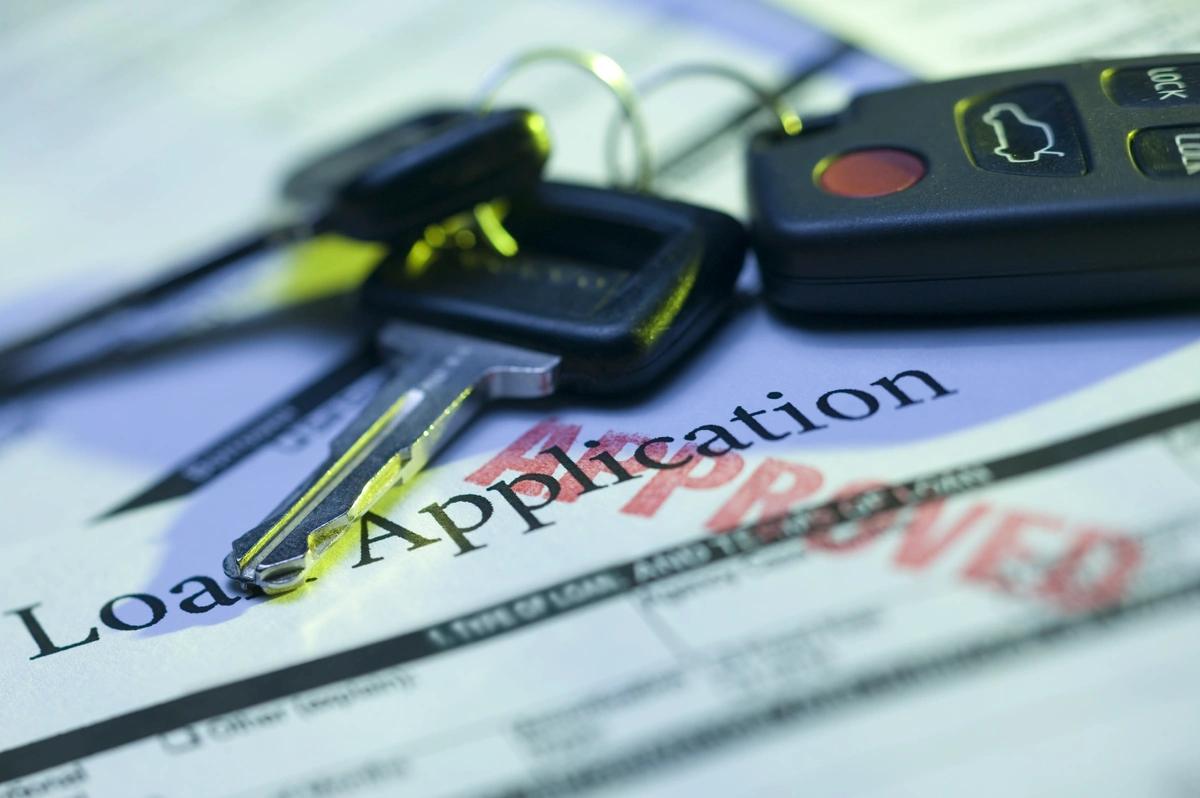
1022,139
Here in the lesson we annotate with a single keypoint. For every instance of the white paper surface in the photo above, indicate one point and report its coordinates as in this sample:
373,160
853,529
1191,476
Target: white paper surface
944,38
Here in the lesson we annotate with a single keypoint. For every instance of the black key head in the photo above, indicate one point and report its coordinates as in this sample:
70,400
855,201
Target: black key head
396,180
620,285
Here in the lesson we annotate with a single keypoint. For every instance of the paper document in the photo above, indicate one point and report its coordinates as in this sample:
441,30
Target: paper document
944,38
651,631
835,559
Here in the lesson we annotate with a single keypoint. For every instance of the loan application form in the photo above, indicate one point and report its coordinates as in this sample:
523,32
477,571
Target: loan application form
888,561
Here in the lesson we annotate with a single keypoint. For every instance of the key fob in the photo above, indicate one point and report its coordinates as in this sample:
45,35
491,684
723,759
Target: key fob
1061,188
620,285
395,180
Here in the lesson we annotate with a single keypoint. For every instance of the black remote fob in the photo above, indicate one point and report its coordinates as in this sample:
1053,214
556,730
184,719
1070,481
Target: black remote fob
1061,188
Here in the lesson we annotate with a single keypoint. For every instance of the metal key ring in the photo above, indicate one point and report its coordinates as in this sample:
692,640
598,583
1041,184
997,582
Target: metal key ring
789,120
599,66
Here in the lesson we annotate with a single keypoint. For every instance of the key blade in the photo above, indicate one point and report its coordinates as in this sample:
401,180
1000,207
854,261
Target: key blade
440,380
251,279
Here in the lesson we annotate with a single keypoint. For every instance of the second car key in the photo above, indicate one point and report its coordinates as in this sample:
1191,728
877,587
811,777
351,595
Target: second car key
1060,188
608,291
381,186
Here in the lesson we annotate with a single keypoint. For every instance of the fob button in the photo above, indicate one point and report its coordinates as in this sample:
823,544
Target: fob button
1027,130
1167,152
1159,86
870,173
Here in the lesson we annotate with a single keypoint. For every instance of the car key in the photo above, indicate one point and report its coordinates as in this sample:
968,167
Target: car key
383,186
608,291
394,181
1061,188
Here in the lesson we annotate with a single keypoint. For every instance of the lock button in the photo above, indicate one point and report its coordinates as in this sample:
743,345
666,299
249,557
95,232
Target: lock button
1159,86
